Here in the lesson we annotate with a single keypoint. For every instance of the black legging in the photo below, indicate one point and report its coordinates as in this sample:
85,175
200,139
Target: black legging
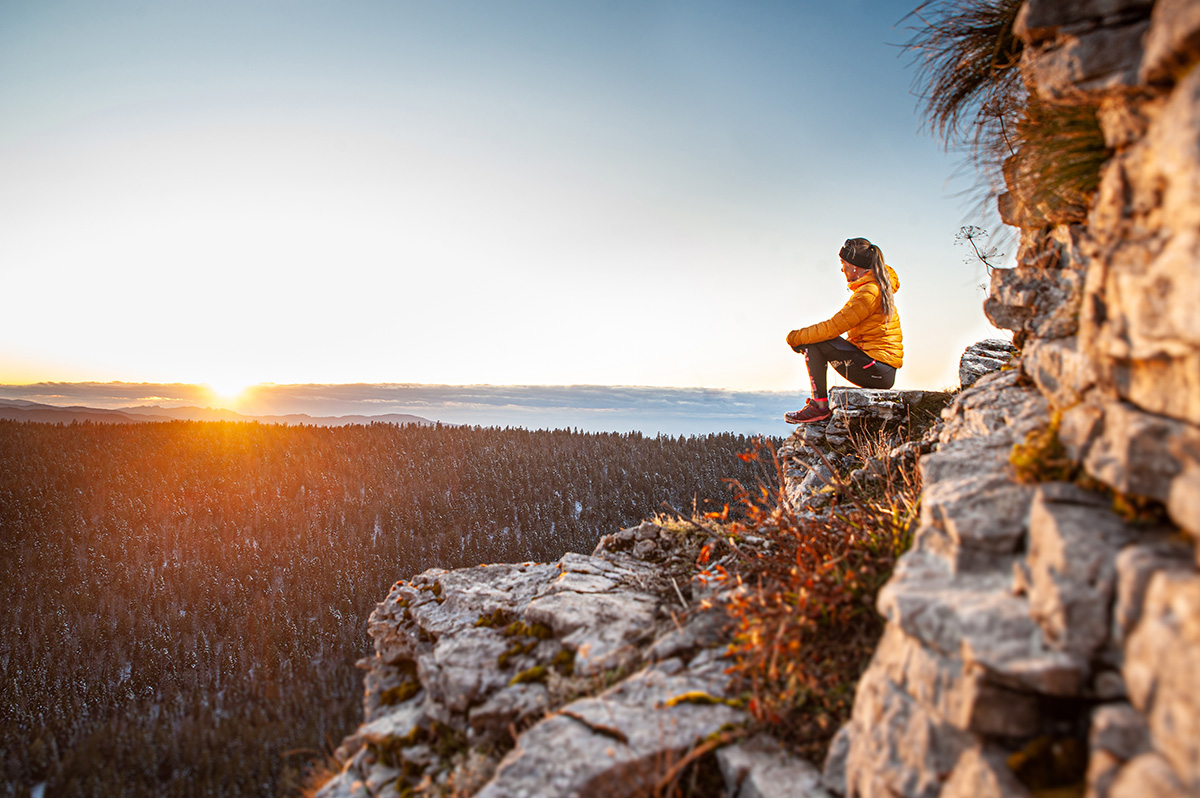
847,360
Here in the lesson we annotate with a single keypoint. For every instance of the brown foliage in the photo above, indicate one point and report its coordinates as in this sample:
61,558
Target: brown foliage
804,622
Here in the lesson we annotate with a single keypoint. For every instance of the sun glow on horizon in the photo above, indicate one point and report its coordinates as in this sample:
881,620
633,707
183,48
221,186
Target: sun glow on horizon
228,390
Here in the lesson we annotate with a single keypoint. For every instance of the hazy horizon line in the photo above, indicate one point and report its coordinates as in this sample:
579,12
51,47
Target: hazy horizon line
250,386
663,409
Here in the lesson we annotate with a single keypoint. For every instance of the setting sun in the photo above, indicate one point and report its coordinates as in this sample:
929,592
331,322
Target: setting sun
228,390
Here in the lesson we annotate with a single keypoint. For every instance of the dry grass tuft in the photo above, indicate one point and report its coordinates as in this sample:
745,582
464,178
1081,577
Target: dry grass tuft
966,59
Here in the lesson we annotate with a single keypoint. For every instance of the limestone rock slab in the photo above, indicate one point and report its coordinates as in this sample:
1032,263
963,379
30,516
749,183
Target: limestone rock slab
1073,546
614,744
1135,566
461,670
1162,670
1138,453
600,628
508,707
1042,301
464,656
984,515
1061,372
960,695
1183,498
879,405
895,747
1103,58
976,618
997,409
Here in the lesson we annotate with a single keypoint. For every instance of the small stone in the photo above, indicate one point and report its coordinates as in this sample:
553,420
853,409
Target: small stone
647,531
761,768
1119,729
1148,774
981,772
645,549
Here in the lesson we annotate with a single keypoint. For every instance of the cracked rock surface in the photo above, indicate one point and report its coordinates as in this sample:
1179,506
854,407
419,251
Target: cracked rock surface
591,660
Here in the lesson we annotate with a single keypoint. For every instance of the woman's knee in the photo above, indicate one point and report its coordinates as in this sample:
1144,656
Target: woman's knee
882,377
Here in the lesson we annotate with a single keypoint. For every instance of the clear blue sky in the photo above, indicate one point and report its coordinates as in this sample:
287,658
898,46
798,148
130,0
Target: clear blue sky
471,191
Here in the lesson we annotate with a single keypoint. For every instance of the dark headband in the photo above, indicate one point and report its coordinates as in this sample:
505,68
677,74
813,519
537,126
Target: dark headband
858,251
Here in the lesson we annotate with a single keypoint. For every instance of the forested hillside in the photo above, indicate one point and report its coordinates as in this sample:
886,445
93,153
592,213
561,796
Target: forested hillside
184,602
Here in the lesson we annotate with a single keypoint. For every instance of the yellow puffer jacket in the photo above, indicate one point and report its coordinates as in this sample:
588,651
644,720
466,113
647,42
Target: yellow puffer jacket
862,324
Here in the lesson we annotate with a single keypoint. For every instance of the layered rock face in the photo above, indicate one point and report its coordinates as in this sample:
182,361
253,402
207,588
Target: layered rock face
1036,638
588,676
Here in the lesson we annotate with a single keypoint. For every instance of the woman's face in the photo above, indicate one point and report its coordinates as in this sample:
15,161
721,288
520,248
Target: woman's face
851,271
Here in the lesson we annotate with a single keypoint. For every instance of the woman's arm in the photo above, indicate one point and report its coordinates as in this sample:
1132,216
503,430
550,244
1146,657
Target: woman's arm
861,304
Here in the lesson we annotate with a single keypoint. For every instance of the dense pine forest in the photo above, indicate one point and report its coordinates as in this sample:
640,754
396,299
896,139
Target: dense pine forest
184,602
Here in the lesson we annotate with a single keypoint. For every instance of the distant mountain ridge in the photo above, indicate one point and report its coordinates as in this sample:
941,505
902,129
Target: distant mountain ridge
22,410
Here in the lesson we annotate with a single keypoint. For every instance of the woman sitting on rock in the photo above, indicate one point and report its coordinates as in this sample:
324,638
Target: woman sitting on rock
873,347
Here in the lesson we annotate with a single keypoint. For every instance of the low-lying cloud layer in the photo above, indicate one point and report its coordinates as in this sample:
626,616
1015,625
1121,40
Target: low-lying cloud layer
592,408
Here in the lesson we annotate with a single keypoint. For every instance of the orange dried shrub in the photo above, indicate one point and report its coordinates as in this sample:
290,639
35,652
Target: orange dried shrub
804,620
